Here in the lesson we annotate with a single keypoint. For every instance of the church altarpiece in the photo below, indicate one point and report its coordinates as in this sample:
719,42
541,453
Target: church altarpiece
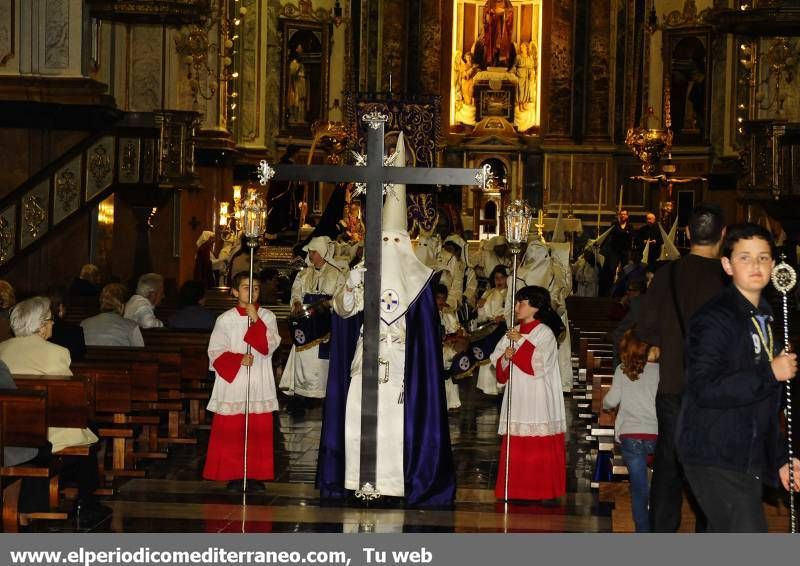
496,62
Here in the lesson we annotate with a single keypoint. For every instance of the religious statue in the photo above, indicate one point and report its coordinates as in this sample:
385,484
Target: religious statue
464,72
525,69
298,102
498,28
468,71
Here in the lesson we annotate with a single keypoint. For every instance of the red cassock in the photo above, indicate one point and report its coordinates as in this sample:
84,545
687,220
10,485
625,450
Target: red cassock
537,423
225,458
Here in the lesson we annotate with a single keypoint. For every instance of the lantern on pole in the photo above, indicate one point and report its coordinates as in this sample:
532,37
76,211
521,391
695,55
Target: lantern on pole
254,219
518,217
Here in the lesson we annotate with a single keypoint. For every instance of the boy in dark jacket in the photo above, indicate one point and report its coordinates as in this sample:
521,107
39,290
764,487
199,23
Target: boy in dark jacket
729,438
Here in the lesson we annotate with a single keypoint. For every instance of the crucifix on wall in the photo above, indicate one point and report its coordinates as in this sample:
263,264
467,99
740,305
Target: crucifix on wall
374,175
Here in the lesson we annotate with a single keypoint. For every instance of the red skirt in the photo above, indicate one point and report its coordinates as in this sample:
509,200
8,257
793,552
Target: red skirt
538,468
225,458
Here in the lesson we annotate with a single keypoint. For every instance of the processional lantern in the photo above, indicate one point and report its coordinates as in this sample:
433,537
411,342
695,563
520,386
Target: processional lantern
254,221
254,218
518,217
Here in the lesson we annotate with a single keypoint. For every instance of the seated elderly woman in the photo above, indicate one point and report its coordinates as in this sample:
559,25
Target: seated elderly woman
109,328
141,306
29,353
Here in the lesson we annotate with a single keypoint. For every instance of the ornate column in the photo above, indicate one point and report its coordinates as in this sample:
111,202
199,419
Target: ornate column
599,112
558,57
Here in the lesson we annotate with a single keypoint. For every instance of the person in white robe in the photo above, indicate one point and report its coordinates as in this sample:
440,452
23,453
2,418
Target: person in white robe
235,329
430,478
427,249
587,275
306,373
537,421
491,308
538,268
470,278
450,330
494,251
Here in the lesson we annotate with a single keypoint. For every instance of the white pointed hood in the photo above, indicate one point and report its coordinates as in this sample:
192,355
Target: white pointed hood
669,251
558,230
403,275
395,214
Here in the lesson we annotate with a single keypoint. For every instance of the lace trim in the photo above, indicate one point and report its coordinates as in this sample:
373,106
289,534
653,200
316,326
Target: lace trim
533,429
237,408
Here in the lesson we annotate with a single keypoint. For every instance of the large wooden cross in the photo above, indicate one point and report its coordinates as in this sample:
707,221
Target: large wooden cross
375,175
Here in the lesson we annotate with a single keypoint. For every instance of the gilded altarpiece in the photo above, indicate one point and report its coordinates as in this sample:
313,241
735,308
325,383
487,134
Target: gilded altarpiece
496,62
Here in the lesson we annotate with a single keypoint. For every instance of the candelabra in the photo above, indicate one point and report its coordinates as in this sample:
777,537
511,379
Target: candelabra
232,222
197,48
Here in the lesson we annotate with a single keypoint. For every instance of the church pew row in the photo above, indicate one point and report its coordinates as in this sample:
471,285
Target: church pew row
24,422
111,392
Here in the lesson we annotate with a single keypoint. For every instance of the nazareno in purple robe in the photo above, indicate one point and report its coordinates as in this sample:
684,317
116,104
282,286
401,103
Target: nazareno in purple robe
427,455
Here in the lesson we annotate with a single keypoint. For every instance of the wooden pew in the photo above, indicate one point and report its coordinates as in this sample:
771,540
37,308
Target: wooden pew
168,382
23,422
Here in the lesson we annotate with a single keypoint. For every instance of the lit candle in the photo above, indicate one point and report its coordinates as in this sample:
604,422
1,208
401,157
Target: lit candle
237,192
620,199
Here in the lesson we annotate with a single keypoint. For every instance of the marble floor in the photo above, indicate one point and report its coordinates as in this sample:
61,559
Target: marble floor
174,498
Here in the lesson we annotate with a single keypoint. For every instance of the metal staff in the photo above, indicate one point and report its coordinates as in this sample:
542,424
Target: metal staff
518,218
254,215
784,279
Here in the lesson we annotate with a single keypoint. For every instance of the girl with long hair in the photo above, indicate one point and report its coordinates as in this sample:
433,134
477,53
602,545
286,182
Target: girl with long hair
636,426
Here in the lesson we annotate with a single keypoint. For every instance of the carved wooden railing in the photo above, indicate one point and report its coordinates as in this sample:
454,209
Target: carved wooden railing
143,151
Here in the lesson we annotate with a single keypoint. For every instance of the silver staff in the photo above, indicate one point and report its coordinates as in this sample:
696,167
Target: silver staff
255,217
518,216
784,279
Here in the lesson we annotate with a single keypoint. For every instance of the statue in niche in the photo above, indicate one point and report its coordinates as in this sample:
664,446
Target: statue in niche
496,46
297,98
467,74
464,71
525,69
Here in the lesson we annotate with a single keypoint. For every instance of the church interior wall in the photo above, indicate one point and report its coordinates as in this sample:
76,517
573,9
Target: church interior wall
53,262
26,151
587,99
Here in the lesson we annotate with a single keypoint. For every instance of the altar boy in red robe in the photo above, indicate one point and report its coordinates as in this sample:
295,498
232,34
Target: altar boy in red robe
245,324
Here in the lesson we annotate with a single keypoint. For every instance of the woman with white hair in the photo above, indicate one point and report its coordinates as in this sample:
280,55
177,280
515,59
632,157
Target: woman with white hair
306,371
140,307
29,353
